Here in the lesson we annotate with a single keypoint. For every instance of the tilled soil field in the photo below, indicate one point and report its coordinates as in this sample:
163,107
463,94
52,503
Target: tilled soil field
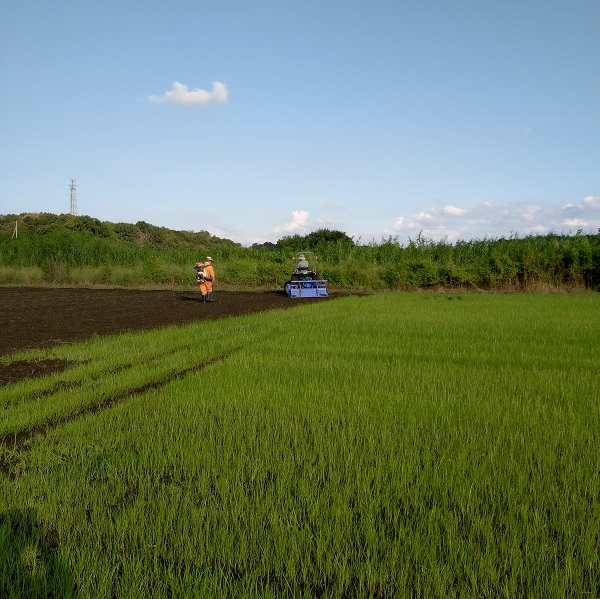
32,317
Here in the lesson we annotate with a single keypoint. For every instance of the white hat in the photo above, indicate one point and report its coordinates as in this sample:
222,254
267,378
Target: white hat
209,258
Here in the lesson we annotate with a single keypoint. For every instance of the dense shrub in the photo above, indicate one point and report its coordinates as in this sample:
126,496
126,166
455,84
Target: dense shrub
83,250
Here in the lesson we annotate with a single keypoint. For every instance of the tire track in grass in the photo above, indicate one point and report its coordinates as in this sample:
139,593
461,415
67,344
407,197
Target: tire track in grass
63,385
21,441
19,370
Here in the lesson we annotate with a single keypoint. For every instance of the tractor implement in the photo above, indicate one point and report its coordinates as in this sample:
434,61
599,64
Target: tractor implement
304,281
314,288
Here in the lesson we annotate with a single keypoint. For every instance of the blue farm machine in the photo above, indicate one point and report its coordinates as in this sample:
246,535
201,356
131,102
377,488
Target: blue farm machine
304,281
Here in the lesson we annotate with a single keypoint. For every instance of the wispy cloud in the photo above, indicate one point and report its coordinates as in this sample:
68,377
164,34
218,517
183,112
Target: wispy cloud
592,202
576,222
453,210
181,94
298,224
487,219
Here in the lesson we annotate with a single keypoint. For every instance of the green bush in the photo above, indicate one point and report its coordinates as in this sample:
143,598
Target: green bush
56,273
21,276
83,250
241,271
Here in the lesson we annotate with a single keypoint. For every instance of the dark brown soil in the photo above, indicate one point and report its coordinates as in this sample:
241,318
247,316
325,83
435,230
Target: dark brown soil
32,317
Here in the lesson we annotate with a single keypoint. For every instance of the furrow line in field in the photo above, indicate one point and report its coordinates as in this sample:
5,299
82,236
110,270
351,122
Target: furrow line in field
62,384
20,370
19,441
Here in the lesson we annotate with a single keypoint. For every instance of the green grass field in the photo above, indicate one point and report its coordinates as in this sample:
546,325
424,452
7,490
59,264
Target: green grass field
396,445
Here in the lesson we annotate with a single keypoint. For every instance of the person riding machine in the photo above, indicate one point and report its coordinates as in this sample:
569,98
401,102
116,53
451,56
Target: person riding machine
304,281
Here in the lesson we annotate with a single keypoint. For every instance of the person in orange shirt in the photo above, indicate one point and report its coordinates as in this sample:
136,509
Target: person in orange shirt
209,277
201,279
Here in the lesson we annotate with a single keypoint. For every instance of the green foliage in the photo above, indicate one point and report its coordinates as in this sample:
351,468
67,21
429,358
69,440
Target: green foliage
321,240
252,271
63,246
91,225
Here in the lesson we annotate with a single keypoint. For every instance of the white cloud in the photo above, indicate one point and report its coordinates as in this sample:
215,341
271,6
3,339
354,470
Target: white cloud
592,202
453,210
529,213
298,223
575,222
487,219
537,230
180,94
426,215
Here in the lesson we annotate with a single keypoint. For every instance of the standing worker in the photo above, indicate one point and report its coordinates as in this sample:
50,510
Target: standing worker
209,277
201,279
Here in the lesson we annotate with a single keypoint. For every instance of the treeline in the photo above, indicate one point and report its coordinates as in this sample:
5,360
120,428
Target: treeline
81,250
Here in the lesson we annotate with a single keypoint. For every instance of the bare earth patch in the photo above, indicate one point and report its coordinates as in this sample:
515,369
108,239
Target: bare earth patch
33,317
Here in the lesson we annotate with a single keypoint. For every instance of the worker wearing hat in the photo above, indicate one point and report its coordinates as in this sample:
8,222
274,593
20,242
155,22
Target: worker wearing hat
302,262
209,277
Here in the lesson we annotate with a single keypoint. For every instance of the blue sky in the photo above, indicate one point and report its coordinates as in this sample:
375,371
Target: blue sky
255,120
